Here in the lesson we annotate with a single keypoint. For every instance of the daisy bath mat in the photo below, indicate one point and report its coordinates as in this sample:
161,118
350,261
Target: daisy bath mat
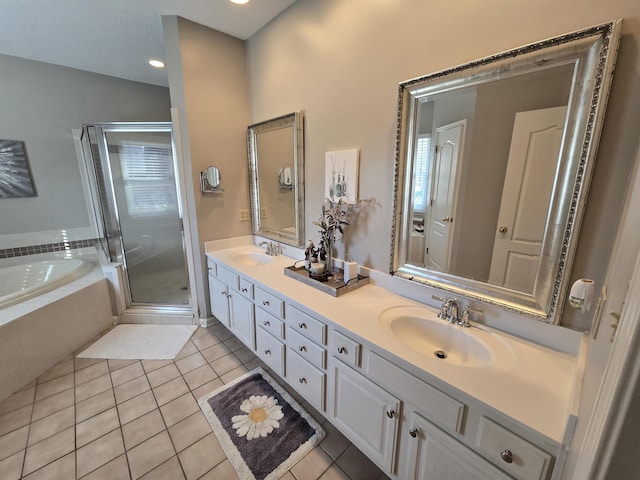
261,428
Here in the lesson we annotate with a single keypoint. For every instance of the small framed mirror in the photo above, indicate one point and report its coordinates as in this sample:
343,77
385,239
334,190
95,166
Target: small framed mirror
210,180
493,165
276,178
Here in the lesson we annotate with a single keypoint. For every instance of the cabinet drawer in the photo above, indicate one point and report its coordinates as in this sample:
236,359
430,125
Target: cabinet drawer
246,288
212,267
307,325
306,348
344,348
230,278
306,379
271,324
271,351
512,453
270,303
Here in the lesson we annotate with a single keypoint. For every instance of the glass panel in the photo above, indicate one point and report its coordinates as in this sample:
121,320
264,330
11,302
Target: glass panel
144,184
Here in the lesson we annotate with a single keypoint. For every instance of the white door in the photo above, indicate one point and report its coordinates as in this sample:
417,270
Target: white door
440,224
531,169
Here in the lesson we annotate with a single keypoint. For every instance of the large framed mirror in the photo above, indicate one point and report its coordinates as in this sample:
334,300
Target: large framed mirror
493,164
276,178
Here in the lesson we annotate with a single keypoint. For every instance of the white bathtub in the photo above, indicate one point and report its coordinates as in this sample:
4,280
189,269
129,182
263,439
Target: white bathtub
21,282
49,308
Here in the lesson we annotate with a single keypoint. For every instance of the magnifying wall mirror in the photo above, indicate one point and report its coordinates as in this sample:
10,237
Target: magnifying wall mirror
493,165
276,178
210,180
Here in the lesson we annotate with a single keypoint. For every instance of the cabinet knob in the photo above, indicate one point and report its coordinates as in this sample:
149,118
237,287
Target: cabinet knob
265,303
342,350
244,290
302,380
267,352
391,413
413,432
502,229
223,293
507,456
302,325
266,323
302,348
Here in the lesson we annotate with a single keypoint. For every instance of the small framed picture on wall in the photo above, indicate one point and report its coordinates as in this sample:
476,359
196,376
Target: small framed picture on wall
15,175
341,175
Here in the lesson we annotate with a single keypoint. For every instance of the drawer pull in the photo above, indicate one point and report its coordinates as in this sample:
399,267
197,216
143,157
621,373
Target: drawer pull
267,352
302,348
244,290
391,413
223,293
302,380
507,456
413,432
302,325
265,303
342,350
266,323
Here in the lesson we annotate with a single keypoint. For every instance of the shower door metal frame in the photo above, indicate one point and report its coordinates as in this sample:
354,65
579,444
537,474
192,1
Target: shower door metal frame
113,230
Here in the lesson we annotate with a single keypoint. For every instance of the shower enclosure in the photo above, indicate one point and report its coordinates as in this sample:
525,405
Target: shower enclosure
137,199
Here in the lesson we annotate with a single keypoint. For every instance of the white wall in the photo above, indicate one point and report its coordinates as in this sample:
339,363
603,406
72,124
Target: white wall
341,62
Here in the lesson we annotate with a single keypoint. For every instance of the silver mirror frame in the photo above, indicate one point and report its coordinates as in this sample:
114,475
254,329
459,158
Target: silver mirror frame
294,120
593,51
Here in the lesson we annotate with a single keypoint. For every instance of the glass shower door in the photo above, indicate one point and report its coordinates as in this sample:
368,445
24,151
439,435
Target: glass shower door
148,215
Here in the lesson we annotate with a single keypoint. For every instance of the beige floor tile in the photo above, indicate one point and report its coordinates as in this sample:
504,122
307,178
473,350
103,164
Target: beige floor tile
206,340
225,364
136,407
179,409
12,466
63,468
94,371
187,350
334,443
215,352
131,389
225,470
52,404
190,363
62,368
99,452
151,365
233,374
287,476
222,332
48,450
244,354
94,405
18,400
142,428
207,388
96,426
86,362
169,470
201,457
200,376
118,364
123,375
335,473
312,466
13,442
149,454
57,385
170,390
163,375
52,424
16,419
356,465
233,344
198,333
116,469
93,387
188,431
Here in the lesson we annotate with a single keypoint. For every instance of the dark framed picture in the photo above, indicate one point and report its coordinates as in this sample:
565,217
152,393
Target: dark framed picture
15,176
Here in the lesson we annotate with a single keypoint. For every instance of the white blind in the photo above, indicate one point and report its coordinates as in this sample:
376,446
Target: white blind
420,170
147,174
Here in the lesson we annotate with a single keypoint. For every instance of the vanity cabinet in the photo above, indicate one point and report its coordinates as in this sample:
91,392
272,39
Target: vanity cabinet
218,292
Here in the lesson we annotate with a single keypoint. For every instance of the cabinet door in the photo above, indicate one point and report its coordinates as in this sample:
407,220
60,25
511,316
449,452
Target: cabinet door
365,413
241,320
434,455
219,304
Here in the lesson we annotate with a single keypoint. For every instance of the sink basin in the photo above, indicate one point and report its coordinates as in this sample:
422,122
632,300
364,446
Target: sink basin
421,330
251,259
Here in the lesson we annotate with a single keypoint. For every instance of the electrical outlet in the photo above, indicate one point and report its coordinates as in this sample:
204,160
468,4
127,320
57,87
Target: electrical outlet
244,215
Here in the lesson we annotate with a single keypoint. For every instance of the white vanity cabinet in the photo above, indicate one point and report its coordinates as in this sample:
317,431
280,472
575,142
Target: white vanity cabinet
270,330
218,292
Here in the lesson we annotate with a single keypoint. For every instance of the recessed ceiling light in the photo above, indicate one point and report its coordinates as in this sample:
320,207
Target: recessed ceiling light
240,2
156,63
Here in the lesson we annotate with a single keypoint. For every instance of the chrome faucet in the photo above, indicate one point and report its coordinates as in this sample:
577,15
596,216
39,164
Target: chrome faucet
273,249
449,312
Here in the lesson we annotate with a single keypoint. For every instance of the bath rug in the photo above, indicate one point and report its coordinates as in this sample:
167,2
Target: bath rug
261,428
140,342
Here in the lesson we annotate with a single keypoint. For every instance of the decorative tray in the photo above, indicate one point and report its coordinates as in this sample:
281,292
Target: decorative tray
333,285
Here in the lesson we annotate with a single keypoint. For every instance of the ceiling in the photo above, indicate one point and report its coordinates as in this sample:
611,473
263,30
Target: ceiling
117,37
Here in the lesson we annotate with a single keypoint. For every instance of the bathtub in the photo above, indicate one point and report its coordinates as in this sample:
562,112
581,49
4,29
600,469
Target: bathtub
20,282
49,308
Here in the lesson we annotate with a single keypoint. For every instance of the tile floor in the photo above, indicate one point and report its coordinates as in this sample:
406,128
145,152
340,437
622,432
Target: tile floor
129,419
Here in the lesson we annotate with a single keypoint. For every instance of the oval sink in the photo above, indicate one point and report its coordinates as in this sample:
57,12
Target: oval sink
251,259
422,331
